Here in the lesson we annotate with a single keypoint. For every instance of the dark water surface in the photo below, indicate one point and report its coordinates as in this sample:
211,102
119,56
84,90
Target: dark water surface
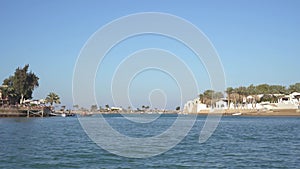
238,142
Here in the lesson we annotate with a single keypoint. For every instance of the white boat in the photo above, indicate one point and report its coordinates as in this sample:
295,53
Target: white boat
63,115
237,114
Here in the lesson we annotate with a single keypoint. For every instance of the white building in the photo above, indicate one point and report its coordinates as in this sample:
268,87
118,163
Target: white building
291,101
116,109
194,106
222,104
34,102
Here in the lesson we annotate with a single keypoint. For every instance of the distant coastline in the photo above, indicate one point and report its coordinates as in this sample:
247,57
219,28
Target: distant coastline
260,100
228,112
14,112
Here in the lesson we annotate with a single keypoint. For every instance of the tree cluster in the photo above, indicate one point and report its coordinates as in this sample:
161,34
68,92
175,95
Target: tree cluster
209,96
237,95
19,86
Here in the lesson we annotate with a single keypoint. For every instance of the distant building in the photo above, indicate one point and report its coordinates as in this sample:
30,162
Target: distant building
35,102
222,104
116,109
194,106
291,101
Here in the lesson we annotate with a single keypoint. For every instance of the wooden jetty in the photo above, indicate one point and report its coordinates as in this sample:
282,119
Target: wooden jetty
35,111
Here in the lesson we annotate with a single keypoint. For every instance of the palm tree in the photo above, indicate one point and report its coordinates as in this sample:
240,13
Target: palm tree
242,93
52,98
235,97
201,98
229,92
210,97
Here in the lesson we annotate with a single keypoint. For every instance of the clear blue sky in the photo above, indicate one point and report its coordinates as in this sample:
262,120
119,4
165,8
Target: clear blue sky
258,41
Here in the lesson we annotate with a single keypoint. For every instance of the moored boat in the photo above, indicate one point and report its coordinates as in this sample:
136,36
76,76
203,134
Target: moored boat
237,114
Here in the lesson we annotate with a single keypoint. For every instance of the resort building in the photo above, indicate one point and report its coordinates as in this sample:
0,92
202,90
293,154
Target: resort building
194,106
223,104
291,101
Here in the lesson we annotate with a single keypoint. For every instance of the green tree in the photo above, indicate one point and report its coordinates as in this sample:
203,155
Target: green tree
269,98
251,90
76,106
277,89
52,98
229,92
201,98
263,89
241,93
21,84
177,108
94,108
9,93
209,97
294,88
218,95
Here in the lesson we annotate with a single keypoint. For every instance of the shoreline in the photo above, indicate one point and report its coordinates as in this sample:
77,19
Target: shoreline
228,112
244,112
35,111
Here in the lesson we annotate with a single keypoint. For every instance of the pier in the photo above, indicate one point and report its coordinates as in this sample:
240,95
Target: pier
36,111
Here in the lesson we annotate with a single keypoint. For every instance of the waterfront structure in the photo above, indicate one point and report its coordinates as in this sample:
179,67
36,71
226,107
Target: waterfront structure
36,111
284,102
35,102
222,104
116,109
195,106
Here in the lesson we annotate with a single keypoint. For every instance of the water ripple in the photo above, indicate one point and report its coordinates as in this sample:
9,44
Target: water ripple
244,142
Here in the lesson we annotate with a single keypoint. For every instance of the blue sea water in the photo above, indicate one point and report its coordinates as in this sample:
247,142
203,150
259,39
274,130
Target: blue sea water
238,142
